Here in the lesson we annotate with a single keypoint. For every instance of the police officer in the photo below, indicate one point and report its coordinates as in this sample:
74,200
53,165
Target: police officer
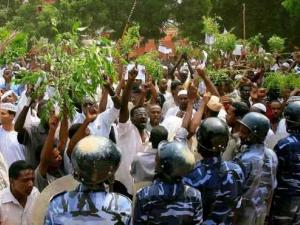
95,160
168,201
286,204
259,165
219,182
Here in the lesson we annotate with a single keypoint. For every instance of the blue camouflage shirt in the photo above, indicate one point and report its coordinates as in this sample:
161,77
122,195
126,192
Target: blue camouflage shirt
83,206
220,183
168,204
288,174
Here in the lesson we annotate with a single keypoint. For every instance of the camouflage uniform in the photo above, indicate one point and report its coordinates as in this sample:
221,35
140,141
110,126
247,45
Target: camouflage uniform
286,204
163,203
84,206
259,164
220,184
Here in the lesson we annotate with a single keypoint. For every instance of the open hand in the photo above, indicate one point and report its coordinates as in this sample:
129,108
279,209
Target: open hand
132,74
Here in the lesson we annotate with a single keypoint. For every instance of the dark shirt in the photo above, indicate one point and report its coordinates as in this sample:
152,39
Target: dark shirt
220,184
168,204
288,174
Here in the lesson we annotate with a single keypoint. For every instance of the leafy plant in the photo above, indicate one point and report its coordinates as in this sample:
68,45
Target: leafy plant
218,76
13,45
276,44
71,70
130,39
255,41
225,42
281,82
210,25
152,64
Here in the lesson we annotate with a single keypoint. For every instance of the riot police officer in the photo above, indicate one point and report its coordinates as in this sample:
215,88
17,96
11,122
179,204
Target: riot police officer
220,182
168,201
259,165
95,160
286,201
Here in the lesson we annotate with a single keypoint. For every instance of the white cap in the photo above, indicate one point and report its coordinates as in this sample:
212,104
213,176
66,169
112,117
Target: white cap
260,106
182,92
8,106
6,94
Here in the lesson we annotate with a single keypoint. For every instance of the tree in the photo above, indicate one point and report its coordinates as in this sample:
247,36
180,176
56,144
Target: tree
188,14
292,6
8,9
262,16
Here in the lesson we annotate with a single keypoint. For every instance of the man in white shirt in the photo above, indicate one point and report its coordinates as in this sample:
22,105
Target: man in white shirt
143,165
102,125
132,134
176,86
10,147
179,110
16,201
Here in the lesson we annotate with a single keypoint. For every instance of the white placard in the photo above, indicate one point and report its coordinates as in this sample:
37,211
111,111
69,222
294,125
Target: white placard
209,40
142,72
237,50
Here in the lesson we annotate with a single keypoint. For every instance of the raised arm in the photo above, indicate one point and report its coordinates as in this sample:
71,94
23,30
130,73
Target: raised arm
185,56
124,112
103,100
153,91
210,87
81,132
198,115
192,95
171,73
19,125
63,132
46,153
114,97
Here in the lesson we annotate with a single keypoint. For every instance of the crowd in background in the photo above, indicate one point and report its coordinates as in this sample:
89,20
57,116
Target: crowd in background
242,140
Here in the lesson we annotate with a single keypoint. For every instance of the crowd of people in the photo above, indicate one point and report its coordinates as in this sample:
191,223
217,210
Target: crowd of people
179,150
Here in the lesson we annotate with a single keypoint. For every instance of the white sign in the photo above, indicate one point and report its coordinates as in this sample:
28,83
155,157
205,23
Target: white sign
141,74
237,50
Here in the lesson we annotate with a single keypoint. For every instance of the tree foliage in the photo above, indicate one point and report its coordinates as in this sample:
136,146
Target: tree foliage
292,6
188,14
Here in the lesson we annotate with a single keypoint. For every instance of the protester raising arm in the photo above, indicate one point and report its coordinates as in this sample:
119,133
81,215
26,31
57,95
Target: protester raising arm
210,87
185,57
63,132
103,100
124,112
19,124
192,95
81,132
47,151
171,73
114,97
198,115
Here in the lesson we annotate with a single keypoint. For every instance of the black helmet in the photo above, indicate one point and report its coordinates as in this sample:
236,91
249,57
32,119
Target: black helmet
95,160
175,160
292,116
213,135
258,124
